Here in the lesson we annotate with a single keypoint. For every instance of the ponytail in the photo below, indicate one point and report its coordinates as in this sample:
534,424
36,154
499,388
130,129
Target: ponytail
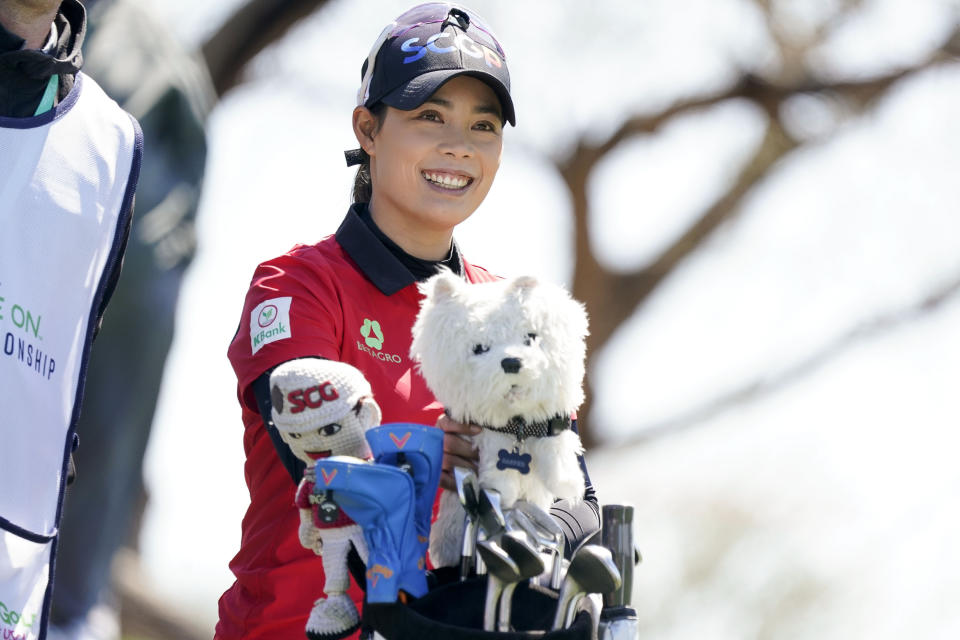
362,182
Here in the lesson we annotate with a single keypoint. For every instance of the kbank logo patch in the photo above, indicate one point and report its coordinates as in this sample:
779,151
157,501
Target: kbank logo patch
267,315
269,322
373,342
372,334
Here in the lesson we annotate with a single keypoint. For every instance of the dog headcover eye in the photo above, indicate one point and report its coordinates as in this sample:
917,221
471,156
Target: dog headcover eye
529,339
329,430
480,348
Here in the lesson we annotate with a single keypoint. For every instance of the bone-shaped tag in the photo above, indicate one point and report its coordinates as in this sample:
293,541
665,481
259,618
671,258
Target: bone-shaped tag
514,460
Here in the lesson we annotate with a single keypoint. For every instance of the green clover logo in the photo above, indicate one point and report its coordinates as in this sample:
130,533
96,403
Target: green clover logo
376,340
267,315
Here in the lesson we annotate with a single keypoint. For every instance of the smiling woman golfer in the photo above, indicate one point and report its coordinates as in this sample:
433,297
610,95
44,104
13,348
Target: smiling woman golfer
433,102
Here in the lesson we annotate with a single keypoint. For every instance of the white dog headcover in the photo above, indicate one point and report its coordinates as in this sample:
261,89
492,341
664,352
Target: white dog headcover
310,392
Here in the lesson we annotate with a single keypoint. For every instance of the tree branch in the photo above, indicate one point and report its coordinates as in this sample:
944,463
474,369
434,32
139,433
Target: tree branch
764,386
250,30
767,95
613,297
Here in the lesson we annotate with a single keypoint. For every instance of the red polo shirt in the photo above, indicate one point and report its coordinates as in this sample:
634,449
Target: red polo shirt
346,298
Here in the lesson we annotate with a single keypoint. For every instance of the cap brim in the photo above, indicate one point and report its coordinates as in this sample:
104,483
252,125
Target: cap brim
415,92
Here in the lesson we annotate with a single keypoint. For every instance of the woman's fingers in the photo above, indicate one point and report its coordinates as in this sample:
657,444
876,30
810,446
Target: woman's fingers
457,445
449,425
458,451
446,475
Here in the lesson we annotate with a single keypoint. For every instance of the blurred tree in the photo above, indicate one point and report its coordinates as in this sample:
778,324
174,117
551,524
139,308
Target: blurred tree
250,30
613,297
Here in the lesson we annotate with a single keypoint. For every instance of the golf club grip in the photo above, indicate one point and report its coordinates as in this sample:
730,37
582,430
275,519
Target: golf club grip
617,535
467,548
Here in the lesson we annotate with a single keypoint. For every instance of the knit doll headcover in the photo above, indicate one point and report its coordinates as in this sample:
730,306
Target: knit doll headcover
307,393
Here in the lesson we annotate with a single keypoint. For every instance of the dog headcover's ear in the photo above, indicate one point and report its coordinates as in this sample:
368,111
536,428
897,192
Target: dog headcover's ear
522,286
441,286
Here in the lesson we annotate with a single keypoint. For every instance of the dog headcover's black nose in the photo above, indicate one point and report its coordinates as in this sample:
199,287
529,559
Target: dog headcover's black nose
510,365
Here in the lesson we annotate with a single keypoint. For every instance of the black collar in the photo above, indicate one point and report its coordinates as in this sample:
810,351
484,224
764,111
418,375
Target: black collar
520,429
24,73
381,260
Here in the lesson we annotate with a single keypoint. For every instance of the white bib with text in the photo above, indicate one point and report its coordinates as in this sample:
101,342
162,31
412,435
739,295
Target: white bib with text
66,187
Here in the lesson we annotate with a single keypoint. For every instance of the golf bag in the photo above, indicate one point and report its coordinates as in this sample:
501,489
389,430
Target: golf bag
454,611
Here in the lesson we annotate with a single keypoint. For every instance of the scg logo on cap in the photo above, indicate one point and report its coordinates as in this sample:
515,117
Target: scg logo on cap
461,41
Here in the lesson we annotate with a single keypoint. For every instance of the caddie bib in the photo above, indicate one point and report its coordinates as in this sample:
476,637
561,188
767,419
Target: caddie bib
67,179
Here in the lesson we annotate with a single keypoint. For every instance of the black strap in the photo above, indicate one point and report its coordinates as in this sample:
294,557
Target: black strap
521,429
355,156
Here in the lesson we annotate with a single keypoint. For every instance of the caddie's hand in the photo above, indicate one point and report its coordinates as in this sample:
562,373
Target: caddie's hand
458,451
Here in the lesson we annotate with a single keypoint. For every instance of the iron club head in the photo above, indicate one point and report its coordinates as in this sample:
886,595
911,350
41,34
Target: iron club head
518,547
591,570
549,534
501,569
530,564
491,515
466,481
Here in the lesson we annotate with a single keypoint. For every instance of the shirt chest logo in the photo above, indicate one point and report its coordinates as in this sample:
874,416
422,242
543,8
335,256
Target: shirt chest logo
372,334
373,341
269,322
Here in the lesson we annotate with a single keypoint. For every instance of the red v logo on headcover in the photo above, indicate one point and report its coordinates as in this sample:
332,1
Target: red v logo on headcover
328,477
400,442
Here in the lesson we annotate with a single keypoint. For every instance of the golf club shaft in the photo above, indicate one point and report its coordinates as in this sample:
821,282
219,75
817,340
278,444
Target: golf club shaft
568,592
467,549
571,612
494,588
556,573
479,534
618,539
503,618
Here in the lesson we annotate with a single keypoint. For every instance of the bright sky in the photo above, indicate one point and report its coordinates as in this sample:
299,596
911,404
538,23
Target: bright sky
832,502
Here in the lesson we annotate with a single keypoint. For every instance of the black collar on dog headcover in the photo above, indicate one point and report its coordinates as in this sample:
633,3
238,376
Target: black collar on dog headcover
520,429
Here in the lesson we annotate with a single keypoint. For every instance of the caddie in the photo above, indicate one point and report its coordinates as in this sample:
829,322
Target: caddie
69,163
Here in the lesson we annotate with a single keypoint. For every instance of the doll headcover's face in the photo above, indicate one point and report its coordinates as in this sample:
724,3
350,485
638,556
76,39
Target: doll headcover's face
322,408
341,438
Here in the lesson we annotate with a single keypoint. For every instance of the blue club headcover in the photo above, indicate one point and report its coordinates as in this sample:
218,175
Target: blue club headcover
380,499
418,448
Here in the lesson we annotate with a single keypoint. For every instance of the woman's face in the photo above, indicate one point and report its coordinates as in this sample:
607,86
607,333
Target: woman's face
432,166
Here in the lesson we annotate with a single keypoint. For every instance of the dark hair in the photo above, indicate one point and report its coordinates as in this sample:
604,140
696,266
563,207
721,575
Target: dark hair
362,182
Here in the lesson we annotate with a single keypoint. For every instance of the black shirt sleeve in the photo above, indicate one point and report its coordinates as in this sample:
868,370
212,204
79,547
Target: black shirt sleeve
261,391
579,520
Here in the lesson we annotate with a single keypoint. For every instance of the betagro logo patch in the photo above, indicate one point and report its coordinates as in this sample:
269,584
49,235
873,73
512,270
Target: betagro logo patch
269,322
373,341
372,327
